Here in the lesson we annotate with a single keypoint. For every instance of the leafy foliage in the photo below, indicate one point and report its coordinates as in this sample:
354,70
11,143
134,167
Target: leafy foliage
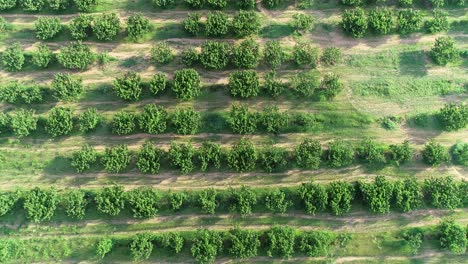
106,26
110,200
209,155
409,21
186,84
316,243
128,86
104,247
47,27
438,23
7,4
59,122
444,51
143,201
186,121
330,86
149,158
123,123
177,200
302,22
173,241
273,159
192,24
354,22
116,159
206,246
340,196
40,204
277,201
8,202
42,57
306,54
378,194
89,120
244,243
15,93
274,54
137,26
161,53
314,197
217,24
181,156
442,192
81,26
242,200
435,154
414,238
281,241
273,120
460,153
246,23
66,87
23,122
304,84
141,246
452,236
75,202
32,5
273,86
454,116
370,152
76,56
13,58
331,56
158,83
243,156
308,154
381,20
241,120
84,158
214,55
85,5
153,120
207,200
401,153
244,84
246,54
408,195
190,57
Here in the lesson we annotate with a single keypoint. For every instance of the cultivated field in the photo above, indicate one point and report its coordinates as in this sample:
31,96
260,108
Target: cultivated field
257,132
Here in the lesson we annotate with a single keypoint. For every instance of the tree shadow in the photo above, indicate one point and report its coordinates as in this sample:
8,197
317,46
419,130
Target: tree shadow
413,63
168,31
276,31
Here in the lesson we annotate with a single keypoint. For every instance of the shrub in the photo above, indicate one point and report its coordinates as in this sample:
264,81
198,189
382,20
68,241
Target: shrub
209,154
274,54
104,247
217,3
58,4
214,55
123,123
217,24
4,25
4,120
276,201
116,159
273,120
137,26
59,122
460,153
192,24
40,204
143,201
306,54
316,243
181,156
149,158
331,56
413,238
89,120
241,120
246,54
401,153
158,83
444,51
272,3
42,57
153,120
438,23
409,21
352,2
243,156
437,3
246,4
370,152
244,84
242,200
141,246
128,86
177,200
302,22
110,200
452,236
173,241
273,159
454,116
85,5
246,23
195,3
23,122
304,84
81,26
8,202
13,58
76,56
273,86
7,4
244,243
308,154
190,57
354,22
163,3
75,203
339,154
161,53
381,20
442,192
281,241
207,201
435,154
340,196
330,86
407,195
66,87
186,121
47,27
206,246
314,197
405,3
32,5
377,195
106,26
186,84
14,93
84,158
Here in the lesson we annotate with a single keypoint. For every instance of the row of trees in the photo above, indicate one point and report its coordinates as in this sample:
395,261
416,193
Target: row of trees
380,196
248,54
55,5
218,4
104,27
243,156
405,3
381,21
